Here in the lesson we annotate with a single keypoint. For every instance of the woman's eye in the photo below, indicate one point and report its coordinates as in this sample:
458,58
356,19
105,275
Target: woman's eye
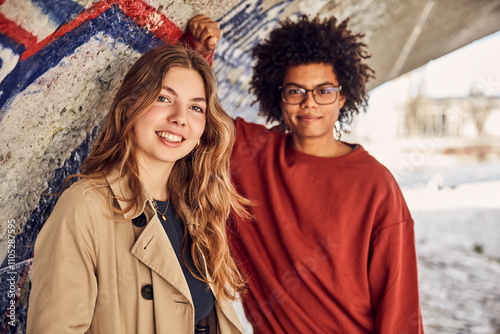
163,99
198,109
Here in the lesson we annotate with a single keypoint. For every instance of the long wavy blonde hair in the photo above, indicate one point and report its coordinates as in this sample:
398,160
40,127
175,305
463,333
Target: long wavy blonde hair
199,185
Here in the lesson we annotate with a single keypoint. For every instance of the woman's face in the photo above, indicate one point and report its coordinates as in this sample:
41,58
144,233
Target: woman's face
172,126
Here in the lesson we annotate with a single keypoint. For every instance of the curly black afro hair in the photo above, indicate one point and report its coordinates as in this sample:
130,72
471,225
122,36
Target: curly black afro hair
311,42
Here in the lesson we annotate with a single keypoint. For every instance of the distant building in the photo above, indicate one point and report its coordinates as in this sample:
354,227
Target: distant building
452,117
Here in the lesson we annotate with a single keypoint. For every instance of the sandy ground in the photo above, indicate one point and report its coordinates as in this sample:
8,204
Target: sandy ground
459,265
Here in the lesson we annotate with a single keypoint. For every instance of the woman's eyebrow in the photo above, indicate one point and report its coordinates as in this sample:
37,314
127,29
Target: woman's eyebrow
174,93
199,99
170,90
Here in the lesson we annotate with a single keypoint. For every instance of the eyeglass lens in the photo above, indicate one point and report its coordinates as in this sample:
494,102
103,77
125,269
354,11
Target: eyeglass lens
322,95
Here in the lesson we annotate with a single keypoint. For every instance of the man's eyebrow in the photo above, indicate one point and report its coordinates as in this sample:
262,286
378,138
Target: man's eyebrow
319,85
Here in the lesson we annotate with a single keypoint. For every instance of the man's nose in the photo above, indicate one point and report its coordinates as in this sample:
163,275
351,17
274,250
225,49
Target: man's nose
309,99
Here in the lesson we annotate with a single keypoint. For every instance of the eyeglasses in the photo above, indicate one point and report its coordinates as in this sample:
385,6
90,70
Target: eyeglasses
297,95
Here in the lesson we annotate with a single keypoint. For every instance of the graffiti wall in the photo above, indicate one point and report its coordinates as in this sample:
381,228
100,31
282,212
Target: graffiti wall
61,61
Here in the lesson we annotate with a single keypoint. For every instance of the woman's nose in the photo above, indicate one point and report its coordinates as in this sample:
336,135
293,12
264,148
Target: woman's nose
178,115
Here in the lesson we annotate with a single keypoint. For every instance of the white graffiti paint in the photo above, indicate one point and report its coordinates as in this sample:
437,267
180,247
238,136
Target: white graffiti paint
44,124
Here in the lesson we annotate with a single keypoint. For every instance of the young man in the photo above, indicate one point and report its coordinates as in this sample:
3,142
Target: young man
331,248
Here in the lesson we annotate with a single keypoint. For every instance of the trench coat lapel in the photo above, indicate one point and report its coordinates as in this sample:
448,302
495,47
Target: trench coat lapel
153,248
224,305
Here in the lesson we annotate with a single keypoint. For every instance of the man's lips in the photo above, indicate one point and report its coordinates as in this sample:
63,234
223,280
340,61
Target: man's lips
308,118
170,137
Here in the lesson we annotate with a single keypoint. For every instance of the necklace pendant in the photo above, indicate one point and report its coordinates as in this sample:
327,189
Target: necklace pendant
162,215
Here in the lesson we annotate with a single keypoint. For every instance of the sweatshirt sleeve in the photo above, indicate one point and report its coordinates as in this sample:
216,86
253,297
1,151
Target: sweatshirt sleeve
393,280
188,40
64,282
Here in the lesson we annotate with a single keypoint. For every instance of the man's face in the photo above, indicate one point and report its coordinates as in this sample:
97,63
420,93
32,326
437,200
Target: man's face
309,120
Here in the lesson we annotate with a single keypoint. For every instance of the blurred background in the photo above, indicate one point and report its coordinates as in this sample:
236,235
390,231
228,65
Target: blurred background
437,128
433,120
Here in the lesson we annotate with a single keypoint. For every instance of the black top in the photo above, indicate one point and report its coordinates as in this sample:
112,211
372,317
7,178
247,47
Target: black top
203,297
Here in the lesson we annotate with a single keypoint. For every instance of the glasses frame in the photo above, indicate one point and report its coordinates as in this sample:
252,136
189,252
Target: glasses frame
337,89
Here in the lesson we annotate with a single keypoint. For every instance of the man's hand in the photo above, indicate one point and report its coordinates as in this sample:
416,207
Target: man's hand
206,33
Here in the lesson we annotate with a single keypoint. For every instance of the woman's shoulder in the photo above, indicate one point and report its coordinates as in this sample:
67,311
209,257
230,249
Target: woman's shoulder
86,189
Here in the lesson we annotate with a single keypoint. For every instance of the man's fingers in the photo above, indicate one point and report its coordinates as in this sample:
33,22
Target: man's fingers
194,23
212,43
209,37
206,33
200,23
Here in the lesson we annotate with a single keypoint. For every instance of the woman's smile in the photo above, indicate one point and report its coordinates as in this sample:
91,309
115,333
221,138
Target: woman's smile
170,137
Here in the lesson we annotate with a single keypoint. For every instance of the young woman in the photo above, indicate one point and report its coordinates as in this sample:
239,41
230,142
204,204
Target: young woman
138,245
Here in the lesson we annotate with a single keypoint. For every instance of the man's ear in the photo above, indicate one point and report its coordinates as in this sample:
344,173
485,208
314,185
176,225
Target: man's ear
342,100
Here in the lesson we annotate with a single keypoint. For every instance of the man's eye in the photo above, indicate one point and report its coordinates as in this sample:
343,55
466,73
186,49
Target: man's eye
325,91
294,91
163,99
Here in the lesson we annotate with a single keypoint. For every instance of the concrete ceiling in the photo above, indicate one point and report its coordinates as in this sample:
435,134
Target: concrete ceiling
401,34
411,33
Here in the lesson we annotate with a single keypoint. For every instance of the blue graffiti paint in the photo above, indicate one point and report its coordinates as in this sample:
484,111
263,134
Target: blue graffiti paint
26,240
7,42
243,28
59,11
112,22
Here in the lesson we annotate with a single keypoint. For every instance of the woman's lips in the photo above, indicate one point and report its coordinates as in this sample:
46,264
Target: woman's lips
170,137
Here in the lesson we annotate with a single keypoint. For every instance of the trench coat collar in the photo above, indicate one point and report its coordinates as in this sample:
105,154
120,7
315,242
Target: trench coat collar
121,191
152,247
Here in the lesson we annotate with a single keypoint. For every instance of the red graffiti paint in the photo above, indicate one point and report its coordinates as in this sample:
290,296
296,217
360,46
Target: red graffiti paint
147,16
17,33
143,14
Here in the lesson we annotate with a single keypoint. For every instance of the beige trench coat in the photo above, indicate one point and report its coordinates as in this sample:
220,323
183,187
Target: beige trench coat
91,269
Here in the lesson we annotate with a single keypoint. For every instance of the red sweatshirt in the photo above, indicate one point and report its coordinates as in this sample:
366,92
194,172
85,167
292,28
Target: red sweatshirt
332,246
